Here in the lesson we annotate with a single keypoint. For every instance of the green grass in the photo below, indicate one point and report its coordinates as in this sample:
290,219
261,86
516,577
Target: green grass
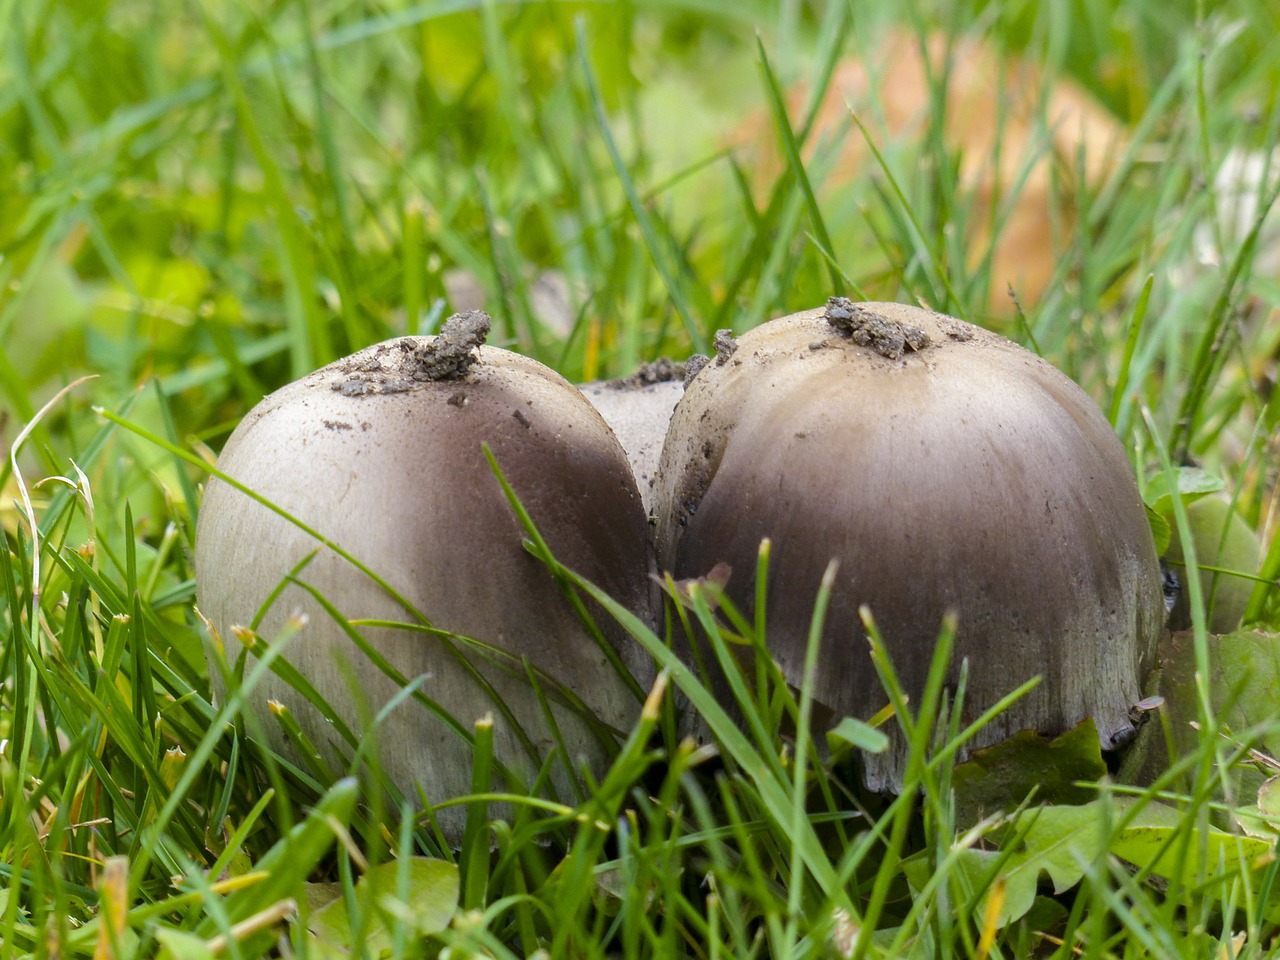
201,202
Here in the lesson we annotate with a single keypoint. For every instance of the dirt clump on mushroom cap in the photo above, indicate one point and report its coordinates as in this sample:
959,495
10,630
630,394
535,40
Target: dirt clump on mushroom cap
867,328
398,366
963,475
662,370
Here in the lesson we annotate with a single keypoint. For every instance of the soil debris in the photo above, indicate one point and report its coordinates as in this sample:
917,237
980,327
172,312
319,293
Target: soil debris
359,385
451,351
662,370
889,338
406,363
726,346
693,366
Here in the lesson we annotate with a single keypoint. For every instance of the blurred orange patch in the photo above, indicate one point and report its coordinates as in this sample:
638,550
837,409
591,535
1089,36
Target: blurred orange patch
1005,118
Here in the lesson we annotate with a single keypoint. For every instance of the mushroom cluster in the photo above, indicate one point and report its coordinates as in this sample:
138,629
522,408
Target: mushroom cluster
946,469
383,454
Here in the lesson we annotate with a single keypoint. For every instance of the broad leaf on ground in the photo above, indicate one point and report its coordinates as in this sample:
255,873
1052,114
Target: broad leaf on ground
1061,842
430,901
1000,777
1244,690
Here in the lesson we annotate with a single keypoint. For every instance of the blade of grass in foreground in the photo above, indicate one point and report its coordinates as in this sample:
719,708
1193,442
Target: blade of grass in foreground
289,863
773,792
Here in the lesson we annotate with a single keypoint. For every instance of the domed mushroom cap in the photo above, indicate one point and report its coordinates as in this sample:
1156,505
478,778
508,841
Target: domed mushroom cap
638,409
388,464
947,469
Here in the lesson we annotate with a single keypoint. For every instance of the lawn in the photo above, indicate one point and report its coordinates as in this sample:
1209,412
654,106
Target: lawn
203,202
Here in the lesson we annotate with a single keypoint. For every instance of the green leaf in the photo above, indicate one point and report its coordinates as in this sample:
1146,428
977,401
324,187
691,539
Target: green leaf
1190,482
1228,552
180,945
1262,818
1244,683
1002,776
1059,841
1161,531
1269,799
1212,853
1062,841
431,899
861,736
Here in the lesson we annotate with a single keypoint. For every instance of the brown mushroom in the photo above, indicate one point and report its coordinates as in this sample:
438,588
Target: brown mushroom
381,453
946,469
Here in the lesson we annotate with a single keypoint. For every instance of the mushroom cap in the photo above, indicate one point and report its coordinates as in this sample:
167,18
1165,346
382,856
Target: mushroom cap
392,469
968,476
639,413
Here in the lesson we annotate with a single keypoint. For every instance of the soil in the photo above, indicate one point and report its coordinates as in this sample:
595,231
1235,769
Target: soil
726,346
694,366
404,364
448,355
662,370
889,338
